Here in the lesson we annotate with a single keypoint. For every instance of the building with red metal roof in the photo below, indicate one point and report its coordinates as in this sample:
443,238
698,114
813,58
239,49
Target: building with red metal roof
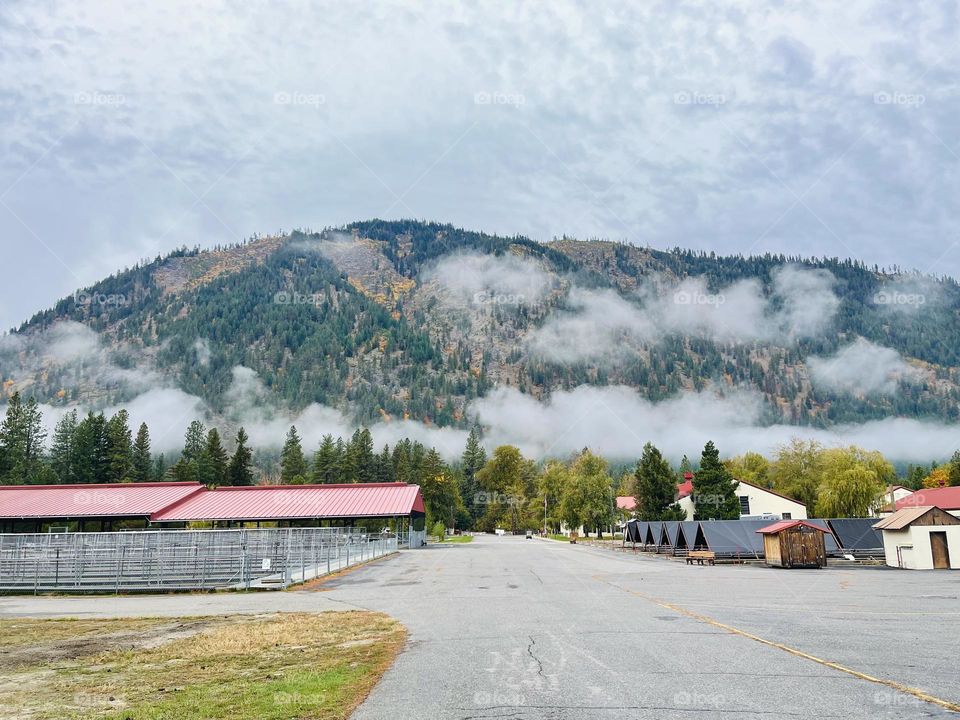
36,508
296,502
946,498
30,507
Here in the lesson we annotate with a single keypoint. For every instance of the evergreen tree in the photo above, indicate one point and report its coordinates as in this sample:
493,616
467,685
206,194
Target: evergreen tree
440,493
293,466
142,468
22,440
215,460
63,451
656,487
384,466
955,469
473,459
92,463
714,493
362,461
160,468
240,471
190,466
119,447
327,462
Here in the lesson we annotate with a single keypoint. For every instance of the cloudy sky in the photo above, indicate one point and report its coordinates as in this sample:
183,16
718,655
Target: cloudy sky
812,128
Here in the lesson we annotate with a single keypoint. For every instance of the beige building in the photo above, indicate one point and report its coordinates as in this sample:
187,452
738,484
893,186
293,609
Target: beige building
921,538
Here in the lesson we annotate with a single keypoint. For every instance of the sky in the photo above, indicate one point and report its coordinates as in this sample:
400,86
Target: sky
738,127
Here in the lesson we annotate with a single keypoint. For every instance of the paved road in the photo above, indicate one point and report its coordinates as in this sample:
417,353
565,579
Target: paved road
513,628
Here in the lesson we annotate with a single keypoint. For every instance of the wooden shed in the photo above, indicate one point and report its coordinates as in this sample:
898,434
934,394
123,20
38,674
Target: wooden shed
794,544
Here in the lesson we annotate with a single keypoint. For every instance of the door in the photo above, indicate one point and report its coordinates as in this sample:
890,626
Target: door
941,554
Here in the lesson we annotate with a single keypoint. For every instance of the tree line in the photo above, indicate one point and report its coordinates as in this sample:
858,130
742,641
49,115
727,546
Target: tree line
479,492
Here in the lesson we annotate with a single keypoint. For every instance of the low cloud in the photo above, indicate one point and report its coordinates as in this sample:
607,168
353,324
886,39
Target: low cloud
482,279
861,368
600,325
616,421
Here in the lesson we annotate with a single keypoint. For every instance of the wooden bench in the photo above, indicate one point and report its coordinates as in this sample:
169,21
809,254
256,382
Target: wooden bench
698,556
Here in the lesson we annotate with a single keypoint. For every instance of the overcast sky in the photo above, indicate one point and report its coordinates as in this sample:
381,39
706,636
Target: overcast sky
132,128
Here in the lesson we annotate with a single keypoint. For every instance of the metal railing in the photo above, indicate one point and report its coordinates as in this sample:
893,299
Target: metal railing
160,560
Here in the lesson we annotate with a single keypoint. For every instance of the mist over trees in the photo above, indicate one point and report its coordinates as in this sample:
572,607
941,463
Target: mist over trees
480,491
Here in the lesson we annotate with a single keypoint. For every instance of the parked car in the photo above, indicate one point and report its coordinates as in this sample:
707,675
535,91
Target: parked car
529,534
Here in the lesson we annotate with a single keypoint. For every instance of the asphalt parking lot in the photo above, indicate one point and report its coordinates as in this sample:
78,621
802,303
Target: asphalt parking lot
507,627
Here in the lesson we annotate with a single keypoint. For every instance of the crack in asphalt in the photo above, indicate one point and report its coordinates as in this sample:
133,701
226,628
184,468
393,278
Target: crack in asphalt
535,658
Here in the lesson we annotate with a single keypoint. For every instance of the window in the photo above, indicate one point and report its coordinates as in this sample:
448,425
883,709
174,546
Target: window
788,516
744,504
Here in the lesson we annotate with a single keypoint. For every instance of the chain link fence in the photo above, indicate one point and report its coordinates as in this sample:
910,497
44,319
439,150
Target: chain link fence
161,560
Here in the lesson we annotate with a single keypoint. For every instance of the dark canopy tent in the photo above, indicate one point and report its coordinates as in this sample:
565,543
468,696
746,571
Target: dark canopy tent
734,537
654,530
856,533
631,532
672,530
692,535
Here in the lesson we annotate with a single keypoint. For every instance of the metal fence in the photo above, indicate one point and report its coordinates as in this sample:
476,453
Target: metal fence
159,560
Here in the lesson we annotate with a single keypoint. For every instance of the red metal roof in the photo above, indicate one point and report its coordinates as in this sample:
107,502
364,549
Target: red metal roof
947,498
786,524
283,502
626,502
685,488
76,501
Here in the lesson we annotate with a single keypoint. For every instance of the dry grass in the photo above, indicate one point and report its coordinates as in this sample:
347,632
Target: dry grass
277,666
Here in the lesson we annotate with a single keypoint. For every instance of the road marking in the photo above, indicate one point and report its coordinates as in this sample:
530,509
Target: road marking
900,687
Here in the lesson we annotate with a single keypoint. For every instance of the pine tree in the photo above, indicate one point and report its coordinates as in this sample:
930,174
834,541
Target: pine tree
160,468
92,463
22,440
955,469
215,460
119,447
714,493
473,459
189,468
326,462
293,466
656,487
240,471
361,459
63,451
384,466
141,455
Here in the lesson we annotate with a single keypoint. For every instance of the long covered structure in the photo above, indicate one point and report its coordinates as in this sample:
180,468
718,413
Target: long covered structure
68,508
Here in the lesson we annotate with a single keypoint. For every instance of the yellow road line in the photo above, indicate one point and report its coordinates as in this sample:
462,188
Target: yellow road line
900,687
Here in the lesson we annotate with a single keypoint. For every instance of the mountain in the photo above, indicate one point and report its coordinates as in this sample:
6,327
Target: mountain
407,319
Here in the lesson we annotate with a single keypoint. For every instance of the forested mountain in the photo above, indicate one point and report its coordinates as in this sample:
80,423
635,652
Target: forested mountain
406,319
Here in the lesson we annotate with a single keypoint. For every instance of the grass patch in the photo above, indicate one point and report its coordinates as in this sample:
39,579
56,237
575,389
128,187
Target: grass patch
458,539
273,667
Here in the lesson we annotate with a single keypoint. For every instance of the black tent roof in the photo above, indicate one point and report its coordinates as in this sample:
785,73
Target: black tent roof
856,533
654,531
688,530
734,537
632,532
672,528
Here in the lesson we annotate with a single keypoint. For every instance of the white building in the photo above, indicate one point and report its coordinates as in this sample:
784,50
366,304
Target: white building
755,502
921,538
